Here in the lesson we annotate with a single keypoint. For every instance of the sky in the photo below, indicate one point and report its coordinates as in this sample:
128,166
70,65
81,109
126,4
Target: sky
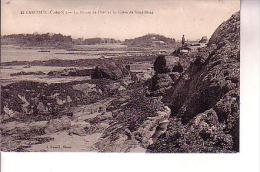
171,18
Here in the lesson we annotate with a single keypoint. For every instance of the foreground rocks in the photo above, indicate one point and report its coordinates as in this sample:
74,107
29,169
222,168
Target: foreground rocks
205,100
26,99
137,123
36,115
204,133
29,100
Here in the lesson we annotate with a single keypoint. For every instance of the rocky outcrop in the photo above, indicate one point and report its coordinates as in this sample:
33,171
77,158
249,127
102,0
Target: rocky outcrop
109,69
204,39
15,136
208,92
135,125
167,71
165,64
161,81
58,124
27,99
79,127
15,128
204,133
210,77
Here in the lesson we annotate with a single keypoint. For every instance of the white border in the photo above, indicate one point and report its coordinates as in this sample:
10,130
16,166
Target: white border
247,160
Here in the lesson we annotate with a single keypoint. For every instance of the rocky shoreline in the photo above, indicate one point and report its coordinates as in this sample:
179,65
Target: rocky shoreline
174,104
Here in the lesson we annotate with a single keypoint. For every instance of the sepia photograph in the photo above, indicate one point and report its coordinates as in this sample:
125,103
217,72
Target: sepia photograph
120,76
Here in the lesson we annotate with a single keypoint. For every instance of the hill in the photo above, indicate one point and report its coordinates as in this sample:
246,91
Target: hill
151,40
42,40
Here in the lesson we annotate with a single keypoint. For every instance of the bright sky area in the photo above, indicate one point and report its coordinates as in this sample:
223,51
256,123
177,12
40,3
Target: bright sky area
171,18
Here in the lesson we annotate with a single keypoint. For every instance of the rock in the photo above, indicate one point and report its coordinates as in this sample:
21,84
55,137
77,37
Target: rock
120,144
204,39
71,72
8,113
228,112
79,128
203,133
161,82
106,115
227,108
85,87
102,126
177,68
14,127
58,124
165,64
227,31
99,127
126,81
206,127
19,128
91,110
210,82
109,69
113,87
160,129
205,99
38,125
153,127
25,104
27,73
41,108
174,76
143,76
25,98
21,145
136,125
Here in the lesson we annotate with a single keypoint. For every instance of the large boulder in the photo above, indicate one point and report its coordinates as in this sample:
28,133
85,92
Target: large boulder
58,124
165,64
109,69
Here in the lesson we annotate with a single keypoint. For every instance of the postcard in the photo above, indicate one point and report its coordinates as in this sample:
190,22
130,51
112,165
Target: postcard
120,76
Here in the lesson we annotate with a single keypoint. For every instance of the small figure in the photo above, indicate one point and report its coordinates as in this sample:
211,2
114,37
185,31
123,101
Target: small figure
183,40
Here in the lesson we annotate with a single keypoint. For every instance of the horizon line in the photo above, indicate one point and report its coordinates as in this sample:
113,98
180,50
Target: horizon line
75,37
